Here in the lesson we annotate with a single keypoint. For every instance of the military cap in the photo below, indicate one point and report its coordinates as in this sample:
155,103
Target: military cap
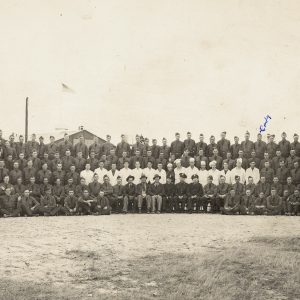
236,177
296,135
51,136
119,177
210,177
247,132
212,137
41,137
130,176
224,132
122,135
156,176
188,132
164,139
182,175
177,133
201,134
195,176
108,136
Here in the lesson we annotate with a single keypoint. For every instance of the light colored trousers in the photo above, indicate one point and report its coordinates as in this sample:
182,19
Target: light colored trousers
156,199
140,199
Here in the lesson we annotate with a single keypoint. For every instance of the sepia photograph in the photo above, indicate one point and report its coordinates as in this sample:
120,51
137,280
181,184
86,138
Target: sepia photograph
150,150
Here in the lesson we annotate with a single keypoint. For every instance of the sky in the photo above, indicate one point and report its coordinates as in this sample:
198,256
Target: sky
151,67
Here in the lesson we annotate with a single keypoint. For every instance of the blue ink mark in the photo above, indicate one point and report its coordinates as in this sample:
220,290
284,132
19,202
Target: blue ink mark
262,128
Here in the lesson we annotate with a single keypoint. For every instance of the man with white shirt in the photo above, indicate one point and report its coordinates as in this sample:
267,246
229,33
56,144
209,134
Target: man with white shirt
137,172
178,170
203,173
162,173
238,170
87,174
252,172
113,174
214,172
191,170
226,172
101,171
125,172
149,172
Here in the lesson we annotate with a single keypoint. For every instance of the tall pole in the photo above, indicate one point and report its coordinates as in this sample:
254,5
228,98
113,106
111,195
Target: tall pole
26,120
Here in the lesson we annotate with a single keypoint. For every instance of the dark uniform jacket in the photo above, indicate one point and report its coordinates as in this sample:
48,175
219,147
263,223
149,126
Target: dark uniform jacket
166,150
284,146
94,162
81,147
262,163
20,148
295,173
44,174
51,149
282,174
3,172
130,190
169,190
248,201
190,145
230,162
28,173
64,146
239,188
19,189
30,146
260,148
203,146
44,187
278,187
107,189
94,188
96,148
273,202
177,148
247,147
210,189
198,160
156,189
123,146
106,147
155,149
79,164
133,160
48,200
14,175
78,189
181,189
69,187
296,146
218,160
9,202
118,190
59,174
29,201
275,162
223,189
146,160
185,161
262,187
195,189
231,202
268,173
223,147
102,201
37,163
73,175
210,149
71,202
67,162
290,188
271,149
235,148
137,146
34,190
251,187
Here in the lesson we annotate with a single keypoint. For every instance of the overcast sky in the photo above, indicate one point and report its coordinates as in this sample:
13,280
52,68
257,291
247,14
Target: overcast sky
151,66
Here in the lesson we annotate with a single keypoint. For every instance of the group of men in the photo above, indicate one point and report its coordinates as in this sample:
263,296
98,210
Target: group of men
62,178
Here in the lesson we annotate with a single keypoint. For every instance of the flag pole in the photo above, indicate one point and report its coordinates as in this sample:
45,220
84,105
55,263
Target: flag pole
26,120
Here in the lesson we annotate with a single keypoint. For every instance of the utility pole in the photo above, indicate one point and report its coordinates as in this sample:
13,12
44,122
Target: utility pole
26,120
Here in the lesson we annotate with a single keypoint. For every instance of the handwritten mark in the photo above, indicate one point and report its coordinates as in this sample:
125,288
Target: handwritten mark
262,128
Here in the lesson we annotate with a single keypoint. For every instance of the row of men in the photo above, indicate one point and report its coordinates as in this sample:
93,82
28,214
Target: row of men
59,170
176,148
155,197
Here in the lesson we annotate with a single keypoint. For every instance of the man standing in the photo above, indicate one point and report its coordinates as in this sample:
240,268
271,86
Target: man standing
260,146
122,146
95,147
65,145
296,145
138,146
235,148
107,146
295,173
223,145
177,146
190,145
155,149
211,146
81,147
247,146
165,149
271,146
201,145
284,146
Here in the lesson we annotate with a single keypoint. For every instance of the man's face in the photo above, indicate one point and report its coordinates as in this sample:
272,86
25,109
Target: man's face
232,193
192,163
16,165
267,165
119,180
70,181
225,165
87,167
96,177
81,139
137,138
252,165
71,193
101,165
58,181
21,156
266,155
33,137
154,142
209,180
68,153
137,153
112,152
66,137
240,153
259,137
123,138
250,180
156,179
108,138
236,140
7,143
262,179
56,155
170,168
189,136
296,138
79,154
253,154
52,139
159,167
113,166
45,180
261,195
281,163
149,165
215,152
19,180
292,152
296,192
26,193
222,179
82,181
6,179
275,180
126,164
32,180
296,165
85,193
247,137
45,167
181,179
148,153
237,179
72,168
201,138
289,180
177,137
1,164
273,192
106,179
248,193
21,139
212,140
164,142
278,153
228,155
178,164
130,180
137,164
59,167
143,180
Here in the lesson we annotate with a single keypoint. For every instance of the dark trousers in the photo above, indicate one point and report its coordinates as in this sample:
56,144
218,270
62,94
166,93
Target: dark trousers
210,203
26,210
84,208
168,204
10,212
193,204
49,210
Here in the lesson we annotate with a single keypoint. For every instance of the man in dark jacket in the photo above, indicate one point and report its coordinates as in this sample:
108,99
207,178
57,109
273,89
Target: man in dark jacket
156,192
195,192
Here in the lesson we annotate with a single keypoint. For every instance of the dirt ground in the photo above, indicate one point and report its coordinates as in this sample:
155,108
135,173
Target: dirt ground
44,249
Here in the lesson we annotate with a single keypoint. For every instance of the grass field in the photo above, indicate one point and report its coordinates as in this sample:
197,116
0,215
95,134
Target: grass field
150,257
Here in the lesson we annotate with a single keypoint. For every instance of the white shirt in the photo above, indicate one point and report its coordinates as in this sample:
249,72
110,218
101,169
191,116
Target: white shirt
137,173
227,176
101,173
177,171
162,173
203,174
254,173
124,173
113,177
216,176
238,171
87,175
190,172
150,174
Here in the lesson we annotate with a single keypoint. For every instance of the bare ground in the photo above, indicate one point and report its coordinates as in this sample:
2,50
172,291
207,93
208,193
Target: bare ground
120,256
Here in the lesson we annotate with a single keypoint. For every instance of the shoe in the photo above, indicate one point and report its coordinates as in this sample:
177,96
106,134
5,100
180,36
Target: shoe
140,210
158,212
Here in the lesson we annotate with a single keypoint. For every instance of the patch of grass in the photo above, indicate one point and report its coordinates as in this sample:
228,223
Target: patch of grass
262,268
